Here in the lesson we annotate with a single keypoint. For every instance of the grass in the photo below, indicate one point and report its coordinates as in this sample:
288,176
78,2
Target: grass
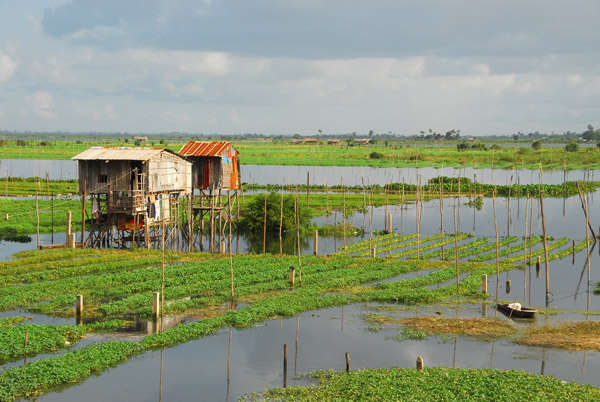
584,335
480,328
431,384
397,155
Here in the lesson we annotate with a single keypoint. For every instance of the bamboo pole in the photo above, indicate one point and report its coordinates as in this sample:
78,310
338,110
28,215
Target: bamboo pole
546,263
307,188
456,253
230,253
441,183
162,263
281,224
418,218
497,253
344,211
298,236
265,226
37,214
525,254
83,213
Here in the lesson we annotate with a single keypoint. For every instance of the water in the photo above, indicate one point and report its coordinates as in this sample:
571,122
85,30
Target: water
198,370
319,175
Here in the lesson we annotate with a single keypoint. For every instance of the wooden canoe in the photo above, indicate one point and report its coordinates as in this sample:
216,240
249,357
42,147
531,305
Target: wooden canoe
524,312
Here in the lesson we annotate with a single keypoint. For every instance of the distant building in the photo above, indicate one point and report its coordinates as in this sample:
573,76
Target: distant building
141,139
362,141
311,140
333,141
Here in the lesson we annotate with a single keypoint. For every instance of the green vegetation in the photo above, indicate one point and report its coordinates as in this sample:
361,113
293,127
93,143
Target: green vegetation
432,384
393,155
125,286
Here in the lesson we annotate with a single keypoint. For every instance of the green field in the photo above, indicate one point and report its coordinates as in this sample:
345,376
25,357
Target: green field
396,154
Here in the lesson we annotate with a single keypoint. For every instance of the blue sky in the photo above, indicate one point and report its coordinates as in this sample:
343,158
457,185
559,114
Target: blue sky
299,66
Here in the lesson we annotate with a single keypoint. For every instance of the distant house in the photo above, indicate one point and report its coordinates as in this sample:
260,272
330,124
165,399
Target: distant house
362,141
141,139
334,141
297,141
311,140
214,165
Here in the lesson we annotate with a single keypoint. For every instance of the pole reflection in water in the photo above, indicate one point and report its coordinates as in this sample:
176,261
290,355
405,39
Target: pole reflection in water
296,357
492,355
228,362
161,377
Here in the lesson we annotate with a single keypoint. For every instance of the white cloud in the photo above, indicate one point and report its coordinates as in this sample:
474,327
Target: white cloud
42,103
7,67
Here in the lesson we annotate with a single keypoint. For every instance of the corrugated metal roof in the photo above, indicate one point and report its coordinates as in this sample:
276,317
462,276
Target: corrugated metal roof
114,153
202,148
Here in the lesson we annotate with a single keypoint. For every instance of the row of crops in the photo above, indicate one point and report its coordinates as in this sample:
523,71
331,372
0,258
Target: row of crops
511,249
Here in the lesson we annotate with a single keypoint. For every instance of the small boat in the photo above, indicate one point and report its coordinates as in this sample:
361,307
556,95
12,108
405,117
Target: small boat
522,312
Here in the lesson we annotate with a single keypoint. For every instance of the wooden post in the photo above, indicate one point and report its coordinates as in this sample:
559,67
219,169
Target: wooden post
79,305
156,305
347,361
147,232
537,267
6,217
420,363
389,223
292,275
484,283
316,242
508,286
83,213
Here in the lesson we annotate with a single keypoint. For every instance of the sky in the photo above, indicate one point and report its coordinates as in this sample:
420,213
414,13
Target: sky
299,66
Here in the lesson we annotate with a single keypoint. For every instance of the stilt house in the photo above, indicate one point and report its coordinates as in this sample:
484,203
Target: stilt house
128,185
215,165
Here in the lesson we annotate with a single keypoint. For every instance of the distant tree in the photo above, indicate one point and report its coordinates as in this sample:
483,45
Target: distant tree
572,147
495,147
537,144
590,134
516,137
462,146
371,133
598,144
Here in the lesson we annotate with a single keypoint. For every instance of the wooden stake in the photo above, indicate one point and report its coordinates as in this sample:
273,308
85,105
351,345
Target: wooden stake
156,305
292,275
79,305
307,188
420,363
484,288
316,242
347,361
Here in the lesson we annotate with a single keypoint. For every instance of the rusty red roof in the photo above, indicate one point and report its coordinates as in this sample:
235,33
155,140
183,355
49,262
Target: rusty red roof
202,148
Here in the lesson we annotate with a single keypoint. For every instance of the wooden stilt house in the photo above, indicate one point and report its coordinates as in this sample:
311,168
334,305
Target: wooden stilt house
215,168
131,189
